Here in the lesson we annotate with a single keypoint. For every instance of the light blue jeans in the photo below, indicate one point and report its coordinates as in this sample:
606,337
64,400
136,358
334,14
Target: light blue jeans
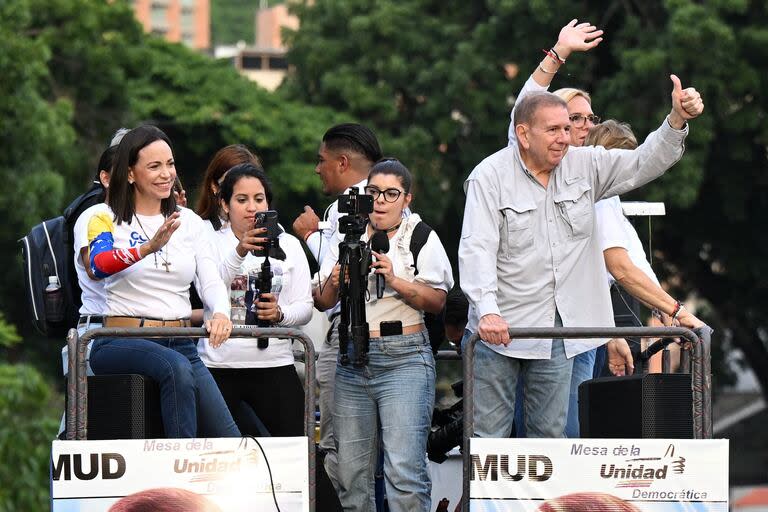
547,383
188,394
583,367
394,394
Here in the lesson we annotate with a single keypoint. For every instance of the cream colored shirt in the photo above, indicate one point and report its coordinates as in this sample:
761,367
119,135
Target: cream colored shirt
433,266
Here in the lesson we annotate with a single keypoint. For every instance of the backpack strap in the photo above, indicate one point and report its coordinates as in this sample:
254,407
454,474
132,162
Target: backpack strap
418,238
434,322
53,253
82,202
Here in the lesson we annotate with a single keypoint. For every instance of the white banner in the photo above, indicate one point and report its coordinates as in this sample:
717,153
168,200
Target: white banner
574,475
196,475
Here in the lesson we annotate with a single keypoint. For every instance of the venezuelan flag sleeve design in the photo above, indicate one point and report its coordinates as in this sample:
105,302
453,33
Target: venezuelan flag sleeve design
105,259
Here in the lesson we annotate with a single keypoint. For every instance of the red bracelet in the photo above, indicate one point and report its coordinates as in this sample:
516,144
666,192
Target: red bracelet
678,308
552,54
306,237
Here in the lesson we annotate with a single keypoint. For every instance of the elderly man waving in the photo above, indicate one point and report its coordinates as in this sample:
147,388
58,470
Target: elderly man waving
529,255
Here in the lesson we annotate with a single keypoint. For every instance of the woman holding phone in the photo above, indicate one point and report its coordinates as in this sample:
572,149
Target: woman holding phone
394,392
264,378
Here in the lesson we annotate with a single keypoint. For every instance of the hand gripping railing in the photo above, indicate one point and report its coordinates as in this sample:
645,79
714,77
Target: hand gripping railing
701,379
77,383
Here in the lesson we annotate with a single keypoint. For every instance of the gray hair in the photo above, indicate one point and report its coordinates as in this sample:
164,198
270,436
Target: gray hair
118,136
526,109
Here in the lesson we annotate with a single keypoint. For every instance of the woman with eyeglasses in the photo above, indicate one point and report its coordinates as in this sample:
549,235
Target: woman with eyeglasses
394,392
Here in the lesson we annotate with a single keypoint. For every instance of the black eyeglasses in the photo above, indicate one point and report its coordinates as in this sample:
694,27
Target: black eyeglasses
578,120
390,195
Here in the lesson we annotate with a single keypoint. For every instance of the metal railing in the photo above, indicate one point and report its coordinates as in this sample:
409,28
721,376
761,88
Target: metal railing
701,378
77,383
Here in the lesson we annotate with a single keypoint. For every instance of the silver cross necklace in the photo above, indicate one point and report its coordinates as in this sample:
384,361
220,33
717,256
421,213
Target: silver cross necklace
165,262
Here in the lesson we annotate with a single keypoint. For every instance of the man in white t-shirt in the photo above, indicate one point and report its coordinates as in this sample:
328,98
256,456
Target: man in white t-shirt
344,158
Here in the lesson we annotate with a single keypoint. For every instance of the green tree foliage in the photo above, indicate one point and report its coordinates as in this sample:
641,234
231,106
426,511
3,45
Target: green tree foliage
205,105
436,80
28,422
233,21
36,133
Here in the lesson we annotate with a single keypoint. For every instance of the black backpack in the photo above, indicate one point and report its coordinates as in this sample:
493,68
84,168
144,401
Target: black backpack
48,250
435,323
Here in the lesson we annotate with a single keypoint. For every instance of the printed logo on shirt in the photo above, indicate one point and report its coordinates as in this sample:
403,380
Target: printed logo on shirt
137,239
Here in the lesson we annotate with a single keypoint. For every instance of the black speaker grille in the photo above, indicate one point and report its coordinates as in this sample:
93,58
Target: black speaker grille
667,406
638,406
123,407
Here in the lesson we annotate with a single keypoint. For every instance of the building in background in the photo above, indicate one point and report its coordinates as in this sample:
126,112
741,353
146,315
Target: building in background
178,21
265,61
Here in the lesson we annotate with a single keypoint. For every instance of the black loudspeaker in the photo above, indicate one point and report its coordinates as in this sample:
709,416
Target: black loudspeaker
124,407
654,405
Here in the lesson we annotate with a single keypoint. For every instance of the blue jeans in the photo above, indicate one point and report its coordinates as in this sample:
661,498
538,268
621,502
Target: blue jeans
601,355
547,382
189,396
583,367
394,394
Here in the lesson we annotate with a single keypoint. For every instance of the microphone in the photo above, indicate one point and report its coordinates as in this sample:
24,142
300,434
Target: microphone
380,243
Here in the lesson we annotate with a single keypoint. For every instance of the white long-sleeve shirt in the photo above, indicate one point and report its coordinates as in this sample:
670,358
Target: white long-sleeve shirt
614,229
291,282
146,289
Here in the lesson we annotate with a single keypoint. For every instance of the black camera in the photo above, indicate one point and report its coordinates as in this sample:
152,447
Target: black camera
355,203
357,207
447,428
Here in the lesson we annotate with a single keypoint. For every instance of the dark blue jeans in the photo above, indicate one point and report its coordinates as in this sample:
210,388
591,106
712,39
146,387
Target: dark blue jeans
188,394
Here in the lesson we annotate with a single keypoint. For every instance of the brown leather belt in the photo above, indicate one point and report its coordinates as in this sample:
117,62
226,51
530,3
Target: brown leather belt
135,321
408,329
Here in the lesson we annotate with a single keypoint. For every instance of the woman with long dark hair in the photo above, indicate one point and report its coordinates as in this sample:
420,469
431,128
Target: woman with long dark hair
263,378
208,204
148,251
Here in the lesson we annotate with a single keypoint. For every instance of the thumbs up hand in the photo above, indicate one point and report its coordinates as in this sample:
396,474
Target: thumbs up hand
686,103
